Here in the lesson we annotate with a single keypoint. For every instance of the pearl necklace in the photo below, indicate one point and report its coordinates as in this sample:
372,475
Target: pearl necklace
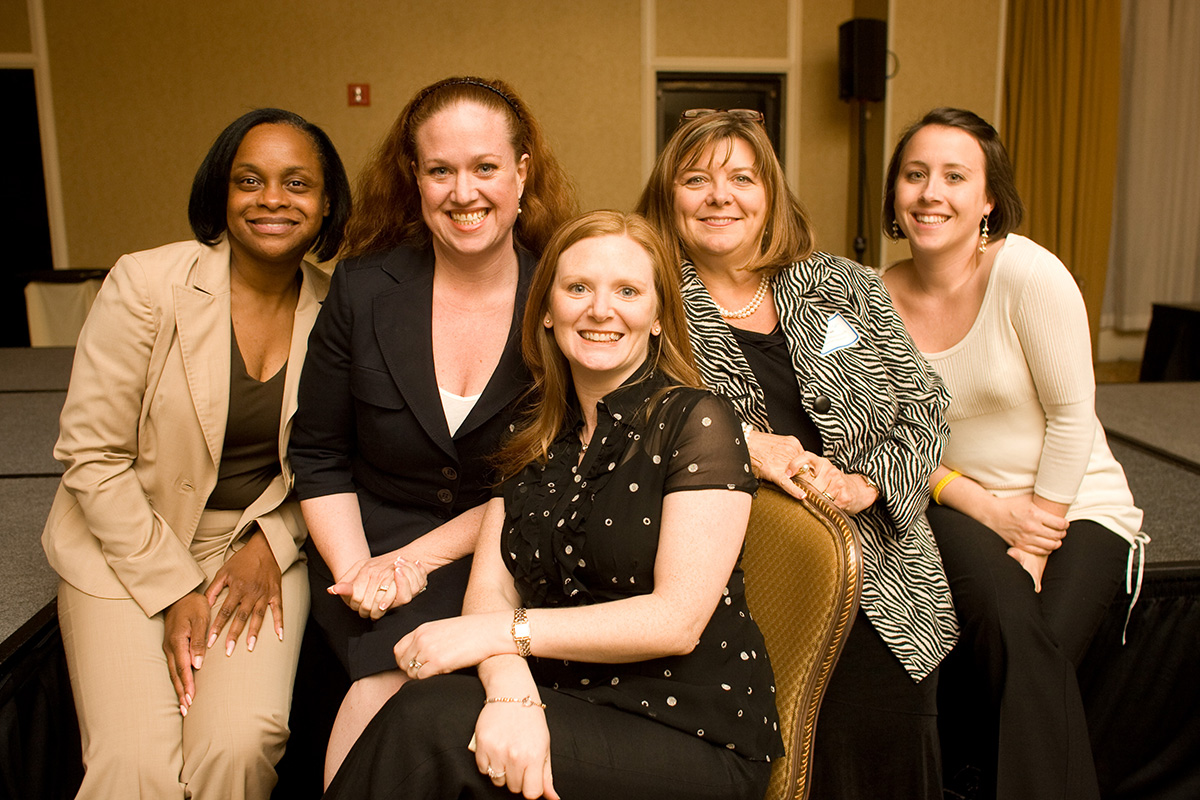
747,310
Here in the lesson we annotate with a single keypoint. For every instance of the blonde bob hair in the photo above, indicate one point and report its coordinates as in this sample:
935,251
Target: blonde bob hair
787,233
670,351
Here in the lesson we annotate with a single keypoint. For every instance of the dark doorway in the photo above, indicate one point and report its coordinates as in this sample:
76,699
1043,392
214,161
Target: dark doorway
679,91
22,203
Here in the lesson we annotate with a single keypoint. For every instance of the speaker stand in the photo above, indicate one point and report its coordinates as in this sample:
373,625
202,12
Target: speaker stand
860,240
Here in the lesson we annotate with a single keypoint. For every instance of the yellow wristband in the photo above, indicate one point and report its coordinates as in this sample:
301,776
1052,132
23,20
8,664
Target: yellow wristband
943,483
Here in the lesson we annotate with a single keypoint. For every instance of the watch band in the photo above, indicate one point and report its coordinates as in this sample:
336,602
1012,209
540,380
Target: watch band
520,631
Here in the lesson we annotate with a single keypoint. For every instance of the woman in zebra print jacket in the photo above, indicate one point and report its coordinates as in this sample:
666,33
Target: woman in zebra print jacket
829,385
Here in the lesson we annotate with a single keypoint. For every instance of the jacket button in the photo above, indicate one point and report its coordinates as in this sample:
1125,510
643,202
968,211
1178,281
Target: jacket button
445,495
449,473
821,404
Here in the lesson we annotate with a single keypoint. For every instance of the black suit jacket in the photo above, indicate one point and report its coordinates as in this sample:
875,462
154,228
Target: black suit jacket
370,418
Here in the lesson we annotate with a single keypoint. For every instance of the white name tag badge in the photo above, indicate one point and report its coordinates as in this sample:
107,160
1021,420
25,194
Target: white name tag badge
838,334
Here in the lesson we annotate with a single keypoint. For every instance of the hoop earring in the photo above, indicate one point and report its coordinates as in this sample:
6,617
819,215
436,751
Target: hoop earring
983,235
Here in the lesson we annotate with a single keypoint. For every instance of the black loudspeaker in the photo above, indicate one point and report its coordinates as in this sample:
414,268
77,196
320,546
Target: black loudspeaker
862,59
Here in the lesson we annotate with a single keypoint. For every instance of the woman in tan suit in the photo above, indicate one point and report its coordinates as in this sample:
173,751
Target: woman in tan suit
174,515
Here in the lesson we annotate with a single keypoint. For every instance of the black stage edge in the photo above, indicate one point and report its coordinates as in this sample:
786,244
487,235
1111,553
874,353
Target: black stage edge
39,736
1142,700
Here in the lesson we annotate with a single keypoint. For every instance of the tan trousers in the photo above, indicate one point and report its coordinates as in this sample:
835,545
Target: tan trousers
135,742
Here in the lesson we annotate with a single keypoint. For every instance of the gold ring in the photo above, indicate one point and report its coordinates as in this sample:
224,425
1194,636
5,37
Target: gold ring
381,589
805,469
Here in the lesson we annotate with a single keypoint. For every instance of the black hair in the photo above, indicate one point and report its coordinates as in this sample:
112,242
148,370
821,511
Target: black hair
210,188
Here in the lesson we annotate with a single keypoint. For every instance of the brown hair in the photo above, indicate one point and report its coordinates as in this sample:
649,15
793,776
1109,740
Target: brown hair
787,234
670,351
1000,184
387,209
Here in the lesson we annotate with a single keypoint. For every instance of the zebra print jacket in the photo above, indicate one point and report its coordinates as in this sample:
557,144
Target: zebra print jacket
880,409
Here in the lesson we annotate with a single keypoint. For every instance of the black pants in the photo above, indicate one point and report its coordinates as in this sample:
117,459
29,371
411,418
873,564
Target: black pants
416,748
1009,702
876,736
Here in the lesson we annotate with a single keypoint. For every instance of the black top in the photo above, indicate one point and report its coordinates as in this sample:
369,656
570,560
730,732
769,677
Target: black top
585,534
370,416
250,453
370,421
768,356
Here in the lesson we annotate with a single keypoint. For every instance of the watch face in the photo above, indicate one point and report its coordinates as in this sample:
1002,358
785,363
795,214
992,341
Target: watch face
521,630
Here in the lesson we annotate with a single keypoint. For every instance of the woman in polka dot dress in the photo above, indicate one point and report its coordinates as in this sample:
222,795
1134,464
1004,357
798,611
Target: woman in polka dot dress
606,613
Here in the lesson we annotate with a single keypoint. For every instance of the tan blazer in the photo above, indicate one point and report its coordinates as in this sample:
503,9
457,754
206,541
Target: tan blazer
143,425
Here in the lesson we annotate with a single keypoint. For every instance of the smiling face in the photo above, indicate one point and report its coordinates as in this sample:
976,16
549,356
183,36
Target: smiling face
721,206
941,190
470,181
603,309
277,200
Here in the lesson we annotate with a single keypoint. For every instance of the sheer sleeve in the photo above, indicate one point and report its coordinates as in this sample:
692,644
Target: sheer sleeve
707,449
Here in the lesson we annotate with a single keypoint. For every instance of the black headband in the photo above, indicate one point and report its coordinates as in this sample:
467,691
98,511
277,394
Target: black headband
466,82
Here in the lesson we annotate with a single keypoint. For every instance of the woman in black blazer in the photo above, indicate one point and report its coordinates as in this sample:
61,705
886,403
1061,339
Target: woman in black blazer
414,370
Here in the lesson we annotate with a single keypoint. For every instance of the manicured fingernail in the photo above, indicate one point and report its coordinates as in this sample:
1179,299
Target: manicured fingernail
279,633
229,647
197,662
330,590
250,643
212,638
183,709
400,560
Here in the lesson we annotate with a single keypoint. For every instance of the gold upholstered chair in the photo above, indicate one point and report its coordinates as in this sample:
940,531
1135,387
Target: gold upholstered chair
803,566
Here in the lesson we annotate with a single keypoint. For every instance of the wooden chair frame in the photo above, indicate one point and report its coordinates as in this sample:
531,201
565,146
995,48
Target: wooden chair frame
801,557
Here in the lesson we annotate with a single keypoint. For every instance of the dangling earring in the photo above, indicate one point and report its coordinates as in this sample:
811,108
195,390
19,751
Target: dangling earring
983,236
895,231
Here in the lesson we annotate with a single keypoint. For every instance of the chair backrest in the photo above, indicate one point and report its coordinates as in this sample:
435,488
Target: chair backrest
803,565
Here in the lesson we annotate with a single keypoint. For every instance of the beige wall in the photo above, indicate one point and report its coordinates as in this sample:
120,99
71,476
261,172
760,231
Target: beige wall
14,27
142,87
948,53
690,28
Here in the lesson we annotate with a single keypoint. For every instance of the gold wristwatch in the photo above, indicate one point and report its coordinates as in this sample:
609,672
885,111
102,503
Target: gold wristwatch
520,632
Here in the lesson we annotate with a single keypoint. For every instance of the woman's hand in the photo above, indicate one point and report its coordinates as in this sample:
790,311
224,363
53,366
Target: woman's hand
770,457
779,458
253,580
184,626
1034,565
374,586
1025,525
850,493
446,645
512,747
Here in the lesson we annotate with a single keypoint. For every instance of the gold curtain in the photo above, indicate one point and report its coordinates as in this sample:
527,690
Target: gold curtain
1061,115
